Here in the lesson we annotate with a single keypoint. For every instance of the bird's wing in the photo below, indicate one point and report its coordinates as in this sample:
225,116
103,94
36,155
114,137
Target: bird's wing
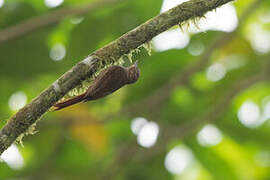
108,81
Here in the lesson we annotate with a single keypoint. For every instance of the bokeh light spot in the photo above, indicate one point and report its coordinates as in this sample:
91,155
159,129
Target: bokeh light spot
216,72
58,52
196,48
168,4
137,124
171,39
53,3
2,3
223,18
178,159
259,38
13,157
210,135
249,114
148,135
17,100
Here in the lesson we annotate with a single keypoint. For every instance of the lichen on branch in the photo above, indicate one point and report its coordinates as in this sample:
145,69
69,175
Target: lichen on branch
110,54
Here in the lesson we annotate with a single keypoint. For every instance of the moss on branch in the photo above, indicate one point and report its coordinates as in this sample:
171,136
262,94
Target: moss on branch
28,115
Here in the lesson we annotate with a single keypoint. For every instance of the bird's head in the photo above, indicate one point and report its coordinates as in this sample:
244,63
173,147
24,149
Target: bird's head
133,73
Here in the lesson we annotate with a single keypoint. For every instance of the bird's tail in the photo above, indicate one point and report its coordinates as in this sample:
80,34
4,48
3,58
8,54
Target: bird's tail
69,102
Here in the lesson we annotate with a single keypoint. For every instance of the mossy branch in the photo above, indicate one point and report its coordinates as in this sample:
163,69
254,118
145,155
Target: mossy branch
28,115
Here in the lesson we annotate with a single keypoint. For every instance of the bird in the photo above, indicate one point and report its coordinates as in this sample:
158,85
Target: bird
108,81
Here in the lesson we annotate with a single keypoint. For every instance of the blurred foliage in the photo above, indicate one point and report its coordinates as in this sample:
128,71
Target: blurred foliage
94,139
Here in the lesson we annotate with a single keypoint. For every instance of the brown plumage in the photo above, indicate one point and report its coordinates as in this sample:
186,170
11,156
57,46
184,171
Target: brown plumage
107,82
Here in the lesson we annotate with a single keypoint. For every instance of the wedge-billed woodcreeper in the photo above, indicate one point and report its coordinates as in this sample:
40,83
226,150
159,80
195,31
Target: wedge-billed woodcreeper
107,82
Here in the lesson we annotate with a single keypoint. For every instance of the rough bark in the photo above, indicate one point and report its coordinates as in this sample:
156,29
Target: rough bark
28,115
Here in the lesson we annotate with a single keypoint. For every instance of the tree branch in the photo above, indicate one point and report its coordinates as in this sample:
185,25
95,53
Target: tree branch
182,78
36,23
153,103
28,115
